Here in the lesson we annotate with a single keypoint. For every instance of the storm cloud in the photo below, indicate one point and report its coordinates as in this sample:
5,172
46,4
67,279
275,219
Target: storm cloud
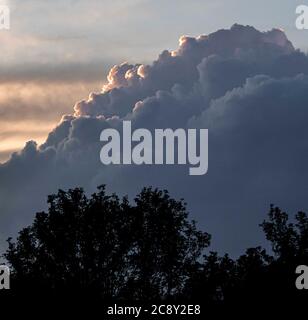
249,88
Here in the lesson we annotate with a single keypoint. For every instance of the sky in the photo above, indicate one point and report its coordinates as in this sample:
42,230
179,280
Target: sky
228,66
60,51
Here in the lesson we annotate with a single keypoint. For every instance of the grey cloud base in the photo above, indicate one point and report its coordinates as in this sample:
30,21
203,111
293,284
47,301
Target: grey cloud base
250,89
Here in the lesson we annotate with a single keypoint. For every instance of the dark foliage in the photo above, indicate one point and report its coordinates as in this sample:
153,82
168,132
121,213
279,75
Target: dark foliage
107,247
103,248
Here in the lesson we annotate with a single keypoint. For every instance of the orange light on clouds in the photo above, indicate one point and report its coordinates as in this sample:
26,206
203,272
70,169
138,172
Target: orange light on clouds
13,135
30,110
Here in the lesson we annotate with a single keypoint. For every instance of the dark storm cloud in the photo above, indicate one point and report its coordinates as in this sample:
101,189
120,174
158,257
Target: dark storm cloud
248,88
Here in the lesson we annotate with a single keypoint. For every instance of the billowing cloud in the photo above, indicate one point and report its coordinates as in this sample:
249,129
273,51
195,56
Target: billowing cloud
249,88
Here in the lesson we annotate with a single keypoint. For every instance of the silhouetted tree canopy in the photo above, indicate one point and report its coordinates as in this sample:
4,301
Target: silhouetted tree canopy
104,247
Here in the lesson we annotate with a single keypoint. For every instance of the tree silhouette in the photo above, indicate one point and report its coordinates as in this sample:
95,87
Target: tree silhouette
256,279
166,246
105,248
289,240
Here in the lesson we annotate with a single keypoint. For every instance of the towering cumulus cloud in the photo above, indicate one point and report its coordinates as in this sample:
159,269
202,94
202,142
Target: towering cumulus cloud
249,88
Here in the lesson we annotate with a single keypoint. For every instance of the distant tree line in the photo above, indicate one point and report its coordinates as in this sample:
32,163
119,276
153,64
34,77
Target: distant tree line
103,248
